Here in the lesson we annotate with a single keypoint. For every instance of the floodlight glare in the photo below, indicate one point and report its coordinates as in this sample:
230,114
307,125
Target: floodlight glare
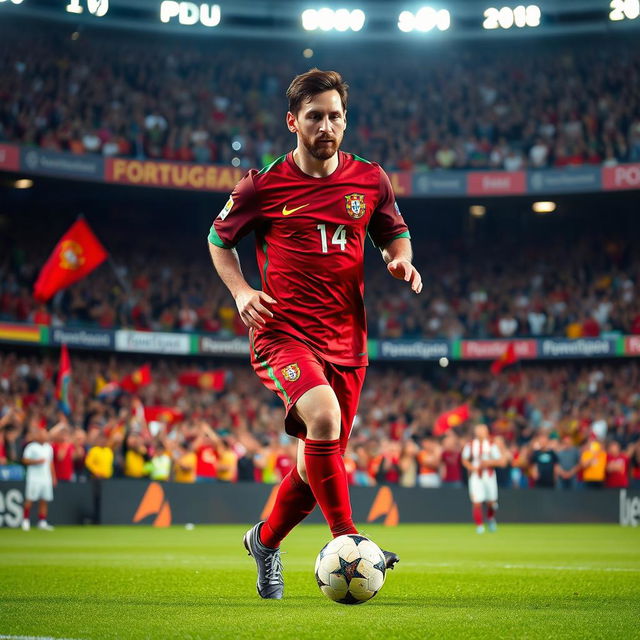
327,19
357,19
506,17
424,20
544,207
624,9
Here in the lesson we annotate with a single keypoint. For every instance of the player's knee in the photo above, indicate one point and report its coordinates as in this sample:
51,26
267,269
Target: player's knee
323,424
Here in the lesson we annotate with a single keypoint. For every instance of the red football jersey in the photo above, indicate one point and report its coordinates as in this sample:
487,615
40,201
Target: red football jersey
310,235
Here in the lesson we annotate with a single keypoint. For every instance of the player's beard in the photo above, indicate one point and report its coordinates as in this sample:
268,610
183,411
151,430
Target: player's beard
319,150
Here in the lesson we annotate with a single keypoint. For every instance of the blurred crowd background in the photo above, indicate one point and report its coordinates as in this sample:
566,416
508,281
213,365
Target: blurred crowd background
469,108
561,425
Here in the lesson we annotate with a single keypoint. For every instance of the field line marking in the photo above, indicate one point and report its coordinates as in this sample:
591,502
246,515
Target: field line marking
5,637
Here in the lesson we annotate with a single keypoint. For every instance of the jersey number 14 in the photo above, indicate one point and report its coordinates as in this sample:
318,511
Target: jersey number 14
339,237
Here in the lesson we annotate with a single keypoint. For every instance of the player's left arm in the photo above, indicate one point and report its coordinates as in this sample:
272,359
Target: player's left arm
398,255
389,232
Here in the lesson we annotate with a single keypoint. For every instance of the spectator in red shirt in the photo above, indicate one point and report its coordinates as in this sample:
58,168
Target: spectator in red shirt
206,457
617,474
451,469
63,451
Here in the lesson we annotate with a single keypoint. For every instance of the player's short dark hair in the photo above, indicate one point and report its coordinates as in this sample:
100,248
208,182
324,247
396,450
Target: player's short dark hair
313,82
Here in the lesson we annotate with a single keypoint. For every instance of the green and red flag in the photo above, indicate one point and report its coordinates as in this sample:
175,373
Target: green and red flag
64,381
450,419
75,256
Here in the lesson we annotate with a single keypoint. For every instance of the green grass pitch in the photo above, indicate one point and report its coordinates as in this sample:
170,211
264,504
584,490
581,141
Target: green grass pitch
525,581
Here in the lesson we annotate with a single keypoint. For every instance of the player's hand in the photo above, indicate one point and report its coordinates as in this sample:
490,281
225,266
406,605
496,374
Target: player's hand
251,307
404,270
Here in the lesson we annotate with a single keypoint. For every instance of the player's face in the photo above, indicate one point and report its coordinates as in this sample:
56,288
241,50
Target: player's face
320,124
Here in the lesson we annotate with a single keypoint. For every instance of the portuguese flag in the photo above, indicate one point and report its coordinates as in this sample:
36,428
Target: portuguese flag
139,378
210,380
75,256
507,358
168,415
450,419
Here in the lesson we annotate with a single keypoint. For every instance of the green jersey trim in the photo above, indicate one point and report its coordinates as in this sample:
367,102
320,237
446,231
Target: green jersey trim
360,159
270,372
214,238
276,162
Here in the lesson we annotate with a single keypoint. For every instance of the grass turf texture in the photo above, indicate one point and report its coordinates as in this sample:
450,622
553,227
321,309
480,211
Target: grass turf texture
525,581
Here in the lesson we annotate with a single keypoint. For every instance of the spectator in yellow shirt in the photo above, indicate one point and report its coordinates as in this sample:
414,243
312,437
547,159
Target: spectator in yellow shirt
227,461
99,459
594,464
136,457
184,469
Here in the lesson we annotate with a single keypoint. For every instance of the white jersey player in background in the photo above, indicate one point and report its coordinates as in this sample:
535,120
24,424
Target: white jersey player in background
41,478
480,457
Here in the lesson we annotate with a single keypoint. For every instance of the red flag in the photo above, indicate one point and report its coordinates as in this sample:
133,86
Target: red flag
76,255
64,380
169,415
139,378
450,419
210,380
507,358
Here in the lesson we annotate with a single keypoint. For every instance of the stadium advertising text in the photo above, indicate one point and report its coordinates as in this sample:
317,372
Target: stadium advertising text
578,348
492,349
82,338
412,349
624,176
67,165
169,174
632,346
489,183
10,508
224,347
189,13
153,342
629,509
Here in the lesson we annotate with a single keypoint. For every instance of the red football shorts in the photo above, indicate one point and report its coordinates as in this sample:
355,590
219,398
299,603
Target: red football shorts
290,368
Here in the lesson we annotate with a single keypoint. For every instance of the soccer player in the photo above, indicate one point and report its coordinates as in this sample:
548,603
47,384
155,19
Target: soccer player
311,211
41,478
480,457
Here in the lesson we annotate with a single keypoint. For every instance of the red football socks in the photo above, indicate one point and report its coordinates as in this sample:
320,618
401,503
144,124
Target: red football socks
26,512
328,481
294,502
477,514
491,512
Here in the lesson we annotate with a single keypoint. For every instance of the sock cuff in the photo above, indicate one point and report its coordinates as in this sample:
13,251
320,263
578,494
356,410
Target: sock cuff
321,447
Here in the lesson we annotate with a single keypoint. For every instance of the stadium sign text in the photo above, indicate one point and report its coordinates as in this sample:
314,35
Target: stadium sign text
190,13
173,175
83,338
578,348
11,508
9,157
493,349
629,509
624,176
412,349
153,342
222,347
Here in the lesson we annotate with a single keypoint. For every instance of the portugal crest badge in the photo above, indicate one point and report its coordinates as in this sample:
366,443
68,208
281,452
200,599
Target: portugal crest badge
355,205
291,372
71,255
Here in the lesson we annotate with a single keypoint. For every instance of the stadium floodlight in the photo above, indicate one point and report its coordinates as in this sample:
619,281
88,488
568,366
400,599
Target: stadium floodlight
327,19
544,207
424,20
624,9
477,210
506,17
23,183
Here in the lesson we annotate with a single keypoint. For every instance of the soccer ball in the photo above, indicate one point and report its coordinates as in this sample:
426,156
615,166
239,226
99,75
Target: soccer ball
350,569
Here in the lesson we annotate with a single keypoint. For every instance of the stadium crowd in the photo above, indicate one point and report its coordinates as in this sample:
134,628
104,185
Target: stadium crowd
535,290
509,109
564,425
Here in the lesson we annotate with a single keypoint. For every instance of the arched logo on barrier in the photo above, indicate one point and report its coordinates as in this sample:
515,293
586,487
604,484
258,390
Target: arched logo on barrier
268,505
153,503
384,505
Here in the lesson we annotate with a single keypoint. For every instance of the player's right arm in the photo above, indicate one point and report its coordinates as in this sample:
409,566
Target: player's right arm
239,216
